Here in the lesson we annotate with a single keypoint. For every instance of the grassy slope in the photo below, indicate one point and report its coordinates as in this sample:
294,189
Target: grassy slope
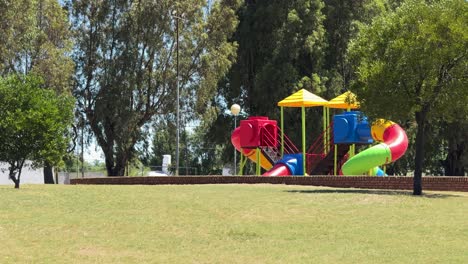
229,224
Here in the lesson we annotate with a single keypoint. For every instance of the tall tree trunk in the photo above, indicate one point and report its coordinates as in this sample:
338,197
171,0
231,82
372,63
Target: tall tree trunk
121,164
109,168
115,167
109,165
56,173
17,184
48,174
118,170
15,180
419,157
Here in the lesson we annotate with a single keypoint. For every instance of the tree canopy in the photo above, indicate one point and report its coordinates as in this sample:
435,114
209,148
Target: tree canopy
36,39
412,66
284,47
127,60
33,122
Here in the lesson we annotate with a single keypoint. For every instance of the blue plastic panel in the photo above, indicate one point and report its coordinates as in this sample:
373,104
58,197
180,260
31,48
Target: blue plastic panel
351,128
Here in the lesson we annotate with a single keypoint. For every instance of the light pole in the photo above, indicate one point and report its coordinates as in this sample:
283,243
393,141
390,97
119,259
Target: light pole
235,109
178,95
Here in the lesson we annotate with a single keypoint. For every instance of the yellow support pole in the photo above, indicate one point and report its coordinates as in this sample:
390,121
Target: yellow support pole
304,159
328,130
326,133
324,127
350,151
258,161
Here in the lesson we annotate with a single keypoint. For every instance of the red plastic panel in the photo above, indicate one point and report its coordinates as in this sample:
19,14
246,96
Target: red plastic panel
258,131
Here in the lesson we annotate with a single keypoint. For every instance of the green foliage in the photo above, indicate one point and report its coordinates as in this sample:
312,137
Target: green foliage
36,39
209,159
342,24
126,60
280,43
285,46
412,65
163,142
34,123
197,156
414,57
72,163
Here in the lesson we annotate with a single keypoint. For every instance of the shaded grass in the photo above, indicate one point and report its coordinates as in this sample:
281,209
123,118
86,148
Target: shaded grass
230,224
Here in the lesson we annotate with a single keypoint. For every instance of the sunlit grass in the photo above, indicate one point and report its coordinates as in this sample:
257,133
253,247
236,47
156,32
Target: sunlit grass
230,224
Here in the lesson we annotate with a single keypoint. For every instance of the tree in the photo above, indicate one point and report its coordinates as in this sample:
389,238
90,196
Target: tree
412,65
34,122
456,161
445,151
285,46
164,136
206,157
341,24
280,42
36,39
281,49
126,64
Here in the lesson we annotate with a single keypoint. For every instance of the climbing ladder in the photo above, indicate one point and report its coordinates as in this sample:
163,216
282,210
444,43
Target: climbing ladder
320,156
273,154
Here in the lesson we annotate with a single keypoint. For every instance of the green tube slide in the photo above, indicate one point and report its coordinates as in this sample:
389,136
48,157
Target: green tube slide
369,158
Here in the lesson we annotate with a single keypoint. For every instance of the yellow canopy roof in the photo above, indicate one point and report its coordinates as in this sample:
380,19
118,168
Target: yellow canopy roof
344,101
302,98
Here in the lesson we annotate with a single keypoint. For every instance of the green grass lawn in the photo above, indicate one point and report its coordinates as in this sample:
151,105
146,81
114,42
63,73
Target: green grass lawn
230,224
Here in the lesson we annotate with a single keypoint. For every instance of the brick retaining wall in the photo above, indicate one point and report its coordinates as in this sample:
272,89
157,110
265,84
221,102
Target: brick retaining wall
396,183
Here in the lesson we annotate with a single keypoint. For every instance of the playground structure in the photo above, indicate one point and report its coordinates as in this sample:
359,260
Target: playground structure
260,140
